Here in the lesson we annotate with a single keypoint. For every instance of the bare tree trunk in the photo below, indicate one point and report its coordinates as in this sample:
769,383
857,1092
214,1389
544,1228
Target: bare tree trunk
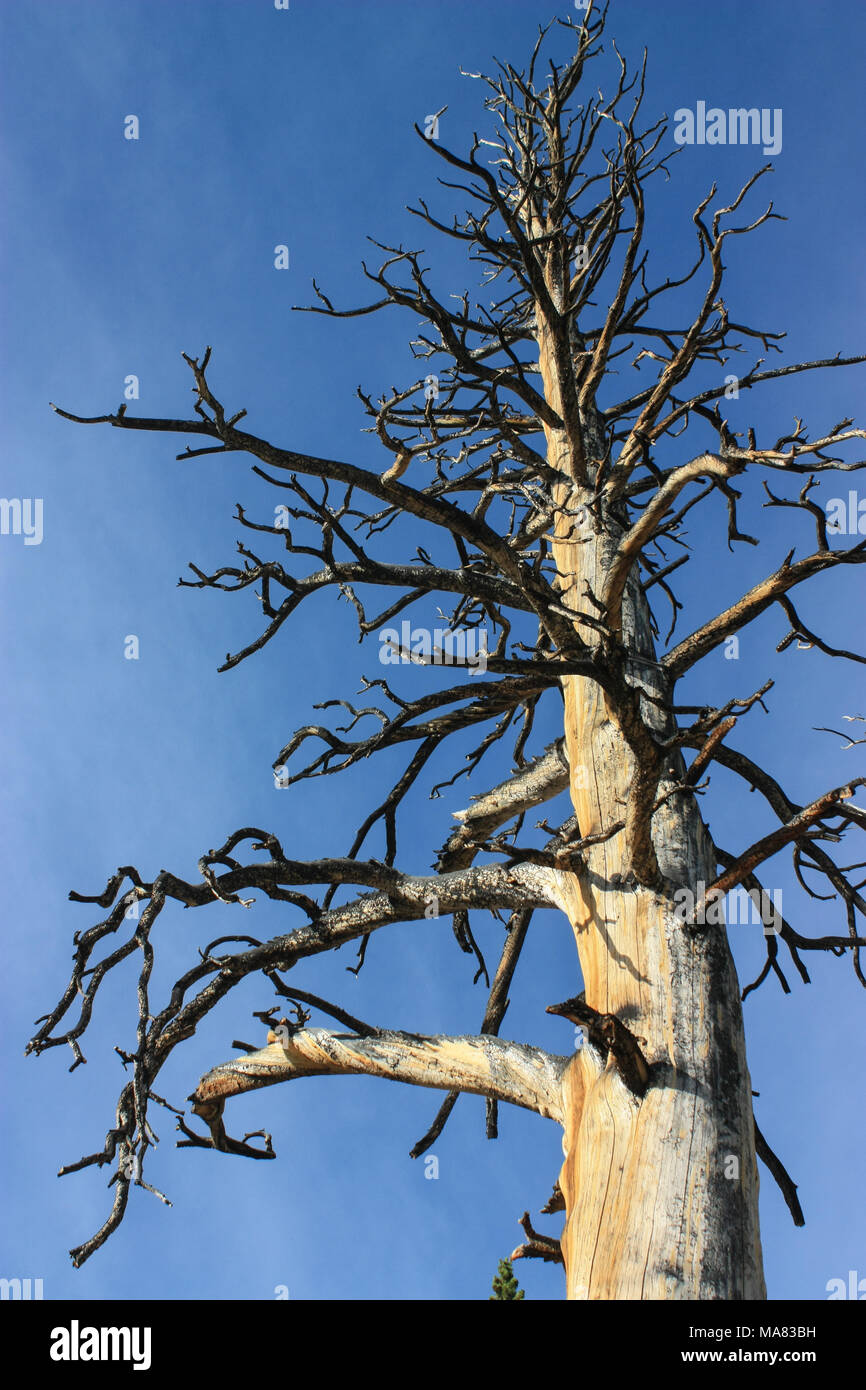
661,1191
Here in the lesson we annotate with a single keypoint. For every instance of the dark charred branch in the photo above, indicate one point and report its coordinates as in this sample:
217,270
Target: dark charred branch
609,1035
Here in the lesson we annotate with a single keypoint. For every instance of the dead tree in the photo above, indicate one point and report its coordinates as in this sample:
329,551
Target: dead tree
552,512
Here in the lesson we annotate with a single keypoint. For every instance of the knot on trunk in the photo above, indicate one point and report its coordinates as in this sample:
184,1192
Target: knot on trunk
610,1035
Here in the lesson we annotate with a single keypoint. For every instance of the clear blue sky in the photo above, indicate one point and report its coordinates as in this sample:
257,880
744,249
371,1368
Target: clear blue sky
261,127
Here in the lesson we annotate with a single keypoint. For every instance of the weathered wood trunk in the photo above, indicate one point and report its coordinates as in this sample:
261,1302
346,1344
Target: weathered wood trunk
661,1192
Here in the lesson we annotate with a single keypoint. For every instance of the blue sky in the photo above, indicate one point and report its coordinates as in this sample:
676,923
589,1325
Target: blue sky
260,127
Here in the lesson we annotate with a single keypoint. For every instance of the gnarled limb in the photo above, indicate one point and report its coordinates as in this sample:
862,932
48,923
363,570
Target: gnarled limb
541,780
484,1065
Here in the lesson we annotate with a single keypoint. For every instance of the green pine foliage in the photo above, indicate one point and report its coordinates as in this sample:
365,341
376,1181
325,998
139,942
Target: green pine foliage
505,1284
